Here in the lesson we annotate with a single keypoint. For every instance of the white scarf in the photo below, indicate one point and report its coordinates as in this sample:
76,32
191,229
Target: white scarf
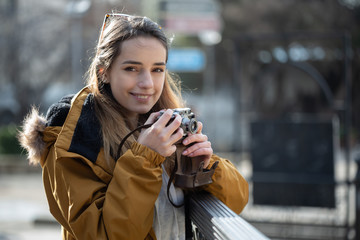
169,221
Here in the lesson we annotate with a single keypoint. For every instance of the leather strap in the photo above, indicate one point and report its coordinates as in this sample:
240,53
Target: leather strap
172,176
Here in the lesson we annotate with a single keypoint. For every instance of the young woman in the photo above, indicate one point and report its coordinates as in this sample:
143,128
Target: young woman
96,190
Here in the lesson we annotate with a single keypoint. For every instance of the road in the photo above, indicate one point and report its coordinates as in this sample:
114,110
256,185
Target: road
24,213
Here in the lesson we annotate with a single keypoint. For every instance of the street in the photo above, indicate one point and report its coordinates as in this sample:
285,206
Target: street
24,213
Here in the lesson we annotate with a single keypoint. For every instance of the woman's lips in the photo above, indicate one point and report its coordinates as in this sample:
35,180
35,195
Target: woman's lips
141,97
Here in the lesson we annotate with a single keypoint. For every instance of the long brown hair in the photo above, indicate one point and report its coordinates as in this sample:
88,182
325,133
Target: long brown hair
111,114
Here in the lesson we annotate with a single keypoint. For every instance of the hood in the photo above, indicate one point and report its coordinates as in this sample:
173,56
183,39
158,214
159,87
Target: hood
31,135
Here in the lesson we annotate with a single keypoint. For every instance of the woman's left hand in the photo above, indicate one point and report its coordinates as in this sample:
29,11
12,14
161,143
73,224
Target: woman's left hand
201,146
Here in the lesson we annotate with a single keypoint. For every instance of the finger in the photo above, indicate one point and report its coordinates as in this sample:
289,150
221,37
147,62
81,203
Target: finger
176,136
164,118
200,127
166,132
195,138
161,121
174,125
152,118
201,152
196,147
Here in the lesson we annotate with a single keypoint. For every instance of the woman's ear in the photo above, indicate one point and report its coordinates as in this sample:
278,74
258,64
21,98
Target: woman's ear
103,75
105,79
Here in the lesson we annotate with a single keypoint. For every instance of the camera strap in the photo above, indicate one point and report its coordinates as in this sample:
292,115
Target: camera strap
129,134
171,179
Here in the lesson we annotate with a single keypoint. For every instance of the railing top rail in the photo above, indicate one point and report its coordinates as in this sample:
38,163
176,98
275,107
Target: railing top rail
216,221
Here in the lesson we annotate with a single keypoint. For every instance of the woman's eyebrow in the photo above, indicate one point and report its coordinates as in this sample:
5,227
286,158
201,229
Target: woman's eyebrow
131,62
160,63
139,63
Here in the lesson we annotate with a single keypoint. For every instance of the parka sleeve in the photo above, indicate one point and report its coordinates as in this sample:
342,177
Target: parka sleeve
90,207
228,185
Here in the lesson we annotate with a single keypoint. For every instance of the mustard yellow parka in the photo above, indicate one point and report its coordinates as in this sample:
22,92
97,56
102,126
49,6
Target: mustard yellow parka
92,200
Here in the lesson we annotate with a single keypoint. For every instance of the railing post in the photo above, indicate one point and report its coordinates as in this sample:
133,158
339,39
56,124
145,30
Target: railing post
357,189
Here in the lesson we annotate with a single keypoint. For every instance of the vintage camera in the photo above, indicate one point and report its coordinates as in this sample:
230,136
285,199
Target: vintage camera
189,172
188,123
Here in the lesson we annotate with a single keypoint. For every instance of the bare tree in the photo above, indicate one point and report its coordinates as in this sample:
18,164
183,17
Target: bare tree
35,50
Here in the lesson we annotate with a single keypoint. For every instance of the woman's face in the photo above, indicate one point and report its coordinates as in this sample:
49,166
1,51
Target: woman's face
137,75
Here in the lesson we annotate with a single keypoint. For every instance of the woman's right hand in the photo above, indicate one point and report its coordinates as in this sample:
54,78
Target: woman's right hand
161,136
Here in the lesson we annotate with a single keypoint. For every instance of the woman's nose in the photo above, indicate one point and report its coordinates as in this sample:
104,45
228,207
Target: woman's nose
145,80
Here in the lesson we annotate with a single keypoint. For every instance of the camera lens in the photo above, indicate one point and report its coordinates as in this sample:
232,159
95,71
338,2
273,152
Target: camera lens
193,126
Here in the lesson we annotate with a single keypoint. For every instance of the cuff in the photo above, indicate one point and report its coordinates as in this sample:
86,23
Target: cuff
141,150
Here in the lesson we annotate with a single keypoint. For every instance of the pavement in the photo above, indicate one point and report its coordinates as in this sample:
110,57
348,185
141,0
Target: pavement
24,213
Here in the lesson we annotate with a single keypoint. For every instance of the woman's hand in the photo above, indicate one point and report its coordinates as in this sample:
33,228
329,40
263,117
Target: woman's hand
201,147
161,136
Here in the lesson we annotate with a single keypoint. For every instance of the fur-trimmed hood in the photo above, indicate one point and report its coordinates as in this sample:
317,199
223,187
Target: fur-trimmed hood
31,135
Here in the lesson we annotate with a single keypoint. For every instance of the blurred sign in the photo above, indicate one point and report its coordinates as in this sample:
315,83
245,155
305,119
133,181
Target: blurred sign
192,25
190,17
186,60
189,7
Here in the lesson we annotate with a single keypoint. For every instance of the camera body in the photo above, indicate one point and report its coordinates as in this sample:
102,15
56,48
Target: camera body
188,123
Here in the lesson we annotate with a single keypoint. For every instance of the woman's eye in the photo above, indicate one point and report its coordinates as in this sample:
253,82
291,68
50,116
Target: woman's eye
158,70
130,69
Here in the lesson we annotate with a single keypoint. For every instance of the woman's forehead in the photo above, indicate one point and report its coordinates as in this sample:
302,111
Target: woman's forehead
143,47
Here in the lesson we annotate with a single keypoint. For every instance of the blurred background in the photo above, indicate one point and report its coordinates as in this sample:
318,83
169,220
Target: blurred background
276,84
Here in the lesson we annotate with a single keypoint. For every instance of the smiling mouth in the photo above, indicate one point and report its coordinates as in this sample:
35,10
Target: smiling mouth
141,96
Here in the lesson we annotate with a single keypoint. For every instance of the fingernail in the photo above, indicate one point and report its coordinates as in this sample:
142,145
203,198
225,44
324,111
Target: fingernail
185,142
185,152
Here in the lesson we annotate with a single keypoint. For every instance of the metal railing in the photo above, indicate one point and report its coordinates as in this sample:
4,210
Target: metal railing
214,220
